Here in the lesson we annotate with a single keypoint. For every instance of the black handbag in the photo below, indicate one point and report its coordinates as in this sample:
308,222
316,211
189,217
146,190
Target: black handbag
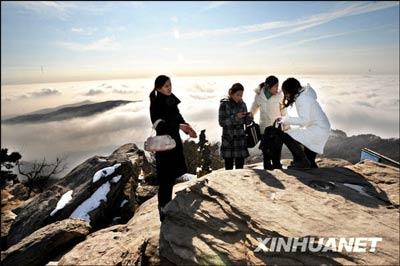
253,134
272,139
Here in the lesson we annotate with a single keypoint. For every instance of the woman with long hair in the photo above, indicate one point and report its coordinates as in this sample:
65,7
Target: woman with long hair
170,164
268,100
310,138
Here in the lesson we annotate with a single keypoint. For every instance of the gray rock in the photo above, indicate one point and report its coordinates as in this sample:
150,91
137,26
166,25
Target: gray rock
36,213
38,247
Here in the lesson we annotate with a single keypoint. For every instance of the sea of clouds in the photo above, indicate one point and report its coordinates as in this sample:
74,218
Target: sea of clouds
357,104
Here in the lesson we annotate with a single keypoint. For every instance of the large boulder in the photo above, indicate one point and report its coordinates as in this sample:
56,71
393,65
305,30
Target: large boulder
43,244
92,191
224,215
217,219
134,243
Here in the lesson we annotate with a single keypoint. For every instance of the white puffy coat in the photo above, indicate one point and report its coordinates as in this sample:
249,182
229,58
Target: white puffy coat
269,108
314,125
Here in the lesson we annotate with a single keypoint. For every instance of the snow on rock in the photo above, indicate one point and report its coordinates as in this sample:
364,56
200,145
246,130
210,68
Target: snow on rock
90,204
65,198
115,219
105,172
141,175
123,203
357,188
116,178
186,177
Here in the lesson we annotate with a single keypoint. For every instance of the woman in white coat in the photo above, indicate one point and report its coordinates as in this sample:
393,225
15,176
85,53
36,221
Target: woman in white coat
310,138
270,103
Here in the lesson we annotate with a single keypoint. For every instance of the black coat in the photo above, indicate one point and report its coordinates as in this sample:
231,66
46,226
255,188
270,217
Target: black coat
170,164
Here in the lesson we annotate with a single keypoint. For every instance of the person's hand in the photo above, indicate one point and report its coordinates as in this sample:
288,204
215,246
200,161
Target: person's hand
188,130
241,114
192,134
280,120
185,128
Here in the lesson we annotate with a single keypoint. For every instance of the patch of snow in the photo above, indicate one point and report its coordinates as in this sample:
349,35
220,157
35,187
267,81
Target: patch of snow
52,263
105,172
198,169
65,198
101,160
358,188
186,177
116,218
116,178
90,204
141,175
123,203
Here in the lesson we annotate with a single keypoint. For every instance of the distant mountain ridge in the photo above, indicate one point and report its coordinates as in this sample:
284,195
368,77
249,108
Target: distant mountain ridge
339,145
65,112
52,109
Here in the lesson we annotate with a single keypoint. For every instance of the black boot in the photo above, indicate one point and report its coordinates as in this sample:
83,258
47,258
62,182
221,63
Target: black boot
311,157
300,160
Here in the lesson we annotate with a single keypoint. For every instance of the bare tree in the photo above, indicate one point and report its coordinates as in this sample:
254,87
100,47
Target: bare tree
40,172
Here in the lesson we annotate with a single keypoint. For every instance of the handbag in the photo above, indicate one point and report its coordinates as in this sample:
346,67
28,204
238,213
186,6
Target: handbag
253,134
159,143
272,139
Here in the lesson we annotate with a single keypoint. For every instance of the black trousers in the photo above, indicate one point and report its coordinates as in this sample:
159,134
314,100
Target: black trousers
166,185
239,162
311,156
299,151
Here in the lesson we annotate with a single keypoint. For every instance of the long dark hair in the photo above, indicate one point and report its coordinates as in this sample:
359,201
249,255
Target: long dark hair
269,82
291,89
158,84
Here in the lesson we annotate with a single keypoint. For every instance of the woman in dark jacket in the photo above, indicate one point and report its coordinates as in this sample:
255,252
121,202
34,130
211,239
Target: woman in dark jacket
232,116
170,164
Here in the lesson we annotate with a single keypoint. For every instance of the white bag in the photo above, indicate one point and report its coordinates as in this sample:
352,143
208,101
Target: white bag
159,143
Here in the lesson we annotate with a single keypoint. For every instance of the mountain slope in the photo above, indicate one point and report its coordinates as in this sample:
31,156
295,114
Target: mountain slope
66,112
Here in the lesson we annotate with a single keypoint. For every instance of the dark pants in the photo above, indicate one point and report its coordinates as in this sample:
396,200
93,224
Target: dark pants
300,152
239,162
165,192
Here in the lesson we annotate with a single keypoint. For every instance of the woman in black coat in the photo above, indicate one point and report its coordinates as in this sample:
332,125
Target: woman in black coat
170,164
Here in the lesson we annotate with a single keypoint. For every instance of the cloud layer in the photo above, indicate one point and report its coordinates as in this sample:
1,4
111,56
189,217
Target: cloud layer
355,104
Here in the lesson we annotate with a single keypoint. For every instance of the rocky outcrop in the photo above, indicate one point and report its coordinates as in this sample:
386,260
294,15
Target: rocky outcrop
82,192
44,243
219,219
214,222
134,243
12,200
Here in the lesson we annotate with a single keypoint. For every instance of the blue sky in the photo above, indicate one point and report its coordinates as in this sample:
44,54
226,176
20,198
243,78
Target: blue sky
101,40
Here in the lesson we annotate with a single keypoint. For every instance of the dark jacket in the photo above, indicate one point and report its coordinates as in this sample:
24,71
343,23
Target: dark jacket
233,142
170,164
